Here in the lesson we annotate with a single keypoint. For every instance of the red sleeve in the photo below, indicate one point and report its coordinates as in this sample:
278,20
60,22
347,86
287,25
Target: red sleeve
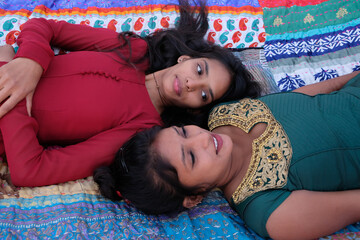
38,35
32,165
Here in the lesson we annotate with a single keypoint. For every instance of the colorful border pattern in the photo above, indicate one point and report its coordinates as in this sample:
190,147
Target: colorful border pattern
230,26
308,44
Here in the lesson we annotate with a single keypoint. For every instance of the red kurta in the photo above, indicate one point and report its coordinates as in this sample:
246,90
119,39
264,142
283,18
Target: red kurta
87,101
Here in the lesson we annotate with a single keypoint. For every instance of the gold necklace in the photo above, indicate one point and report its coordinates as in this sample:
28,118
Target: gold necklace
158,89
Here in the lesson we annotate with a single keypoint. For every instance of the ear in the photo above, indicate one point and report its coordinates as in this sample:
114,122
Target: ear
192,201
183,58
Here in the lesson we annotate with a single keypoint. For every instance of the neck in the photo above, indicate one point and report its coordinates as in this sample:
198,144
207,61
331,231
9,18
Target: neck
241,156
153,89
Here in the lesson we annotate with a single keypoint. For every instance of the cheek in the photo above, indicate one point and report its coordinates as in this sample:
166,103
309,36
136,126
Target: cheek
190,179
209,161
224,82
192,100
167,85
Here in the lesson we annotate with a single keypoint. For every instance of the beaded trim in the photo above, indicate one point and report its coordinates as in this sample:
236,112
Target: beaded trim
271,152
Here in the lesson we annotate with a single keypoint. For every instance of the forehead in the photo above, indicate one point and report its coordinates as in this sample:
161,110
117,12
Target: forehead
165,141
167,144
165,134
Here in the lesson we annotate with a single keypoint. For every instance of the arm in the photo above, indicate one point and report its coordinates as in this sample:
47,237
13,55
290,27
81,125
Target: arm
38,35
32,165
19,78
308,215
327,86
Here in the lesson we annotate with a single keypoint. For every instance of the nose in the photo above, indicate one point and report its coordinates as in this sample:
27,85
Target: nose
198,141
193,84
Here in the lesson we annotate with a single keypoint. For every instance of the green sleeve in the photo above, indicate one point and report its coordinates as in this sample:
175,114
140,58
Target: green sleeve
256,209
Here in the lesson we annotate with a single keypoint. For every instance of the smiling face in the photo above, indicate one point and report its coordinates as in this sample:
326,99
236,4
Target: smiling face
202,159
194,82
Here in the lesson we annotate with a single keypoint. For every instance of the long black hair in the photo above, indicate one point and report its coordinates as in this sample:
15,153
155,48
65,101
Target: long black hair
143,177
188,38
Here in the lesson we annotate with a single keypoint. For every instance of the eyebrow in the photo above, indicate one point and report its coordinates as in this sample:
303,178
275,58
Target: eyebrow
207,74
182,148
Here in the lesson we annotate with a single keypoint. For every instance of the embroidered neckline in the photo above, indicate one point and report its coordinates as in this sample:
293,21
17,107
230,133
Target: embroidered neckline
271,151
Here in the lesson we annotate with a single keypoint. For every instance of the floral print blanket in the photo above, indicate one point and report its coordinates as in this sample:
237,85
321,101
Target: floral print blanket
319,36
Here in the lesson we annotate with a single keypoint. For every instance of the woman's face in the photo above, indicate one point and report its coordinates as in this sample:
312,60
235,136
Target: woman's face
194,82
202,159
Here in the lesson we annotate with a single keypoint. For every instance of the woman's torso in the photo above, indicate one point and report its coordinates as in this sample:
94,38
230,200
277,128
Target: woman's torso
84,93
310,143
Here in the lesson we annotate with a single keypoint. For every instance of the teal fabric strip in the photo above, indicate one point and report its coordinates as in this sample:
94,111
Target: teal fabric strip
283,20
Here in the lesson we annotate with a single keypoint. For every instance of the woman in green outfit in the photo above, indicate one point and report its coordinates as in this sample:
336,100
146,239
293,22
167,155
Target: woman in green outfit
288,163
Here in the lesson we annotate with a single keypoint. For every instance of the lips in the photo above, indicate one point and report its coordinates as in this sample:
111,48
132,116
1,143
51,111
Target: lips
218,142
177,87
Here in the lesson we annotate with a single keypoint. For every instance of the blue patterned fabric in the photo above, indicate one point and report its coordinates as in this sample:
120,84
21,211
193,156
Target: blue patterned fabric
330,42
90,216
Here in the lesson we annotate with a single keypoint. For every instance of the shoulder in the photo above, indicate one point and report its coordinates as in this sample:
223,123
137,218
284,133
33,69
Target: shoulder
136,43
256,210
241,113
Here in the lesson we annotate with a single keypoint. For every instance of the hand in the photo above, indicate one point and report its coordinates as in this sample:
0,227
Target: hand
6,187
18,79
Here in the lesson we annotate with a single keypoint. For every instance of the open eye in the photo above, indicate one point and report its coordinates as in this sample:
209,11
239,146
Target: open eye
203,96
199,69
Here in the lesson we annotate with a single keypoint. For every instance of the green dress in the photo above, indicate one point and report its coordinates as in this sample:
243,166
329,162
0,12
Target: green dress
310,142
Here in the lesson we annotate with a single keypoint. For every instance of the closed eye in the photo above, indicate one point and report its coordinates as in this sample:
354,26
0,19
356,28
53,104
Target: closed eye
192,158
184,131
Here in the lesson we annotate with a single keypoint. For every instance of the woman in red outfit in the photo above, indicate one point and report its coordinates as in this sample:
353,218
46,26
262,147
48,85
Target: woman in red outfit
90,101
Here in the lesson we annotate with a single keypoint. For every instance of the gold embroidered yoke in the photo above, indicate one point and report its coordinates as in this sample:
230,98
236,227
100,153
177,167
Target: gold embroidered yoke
271,152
